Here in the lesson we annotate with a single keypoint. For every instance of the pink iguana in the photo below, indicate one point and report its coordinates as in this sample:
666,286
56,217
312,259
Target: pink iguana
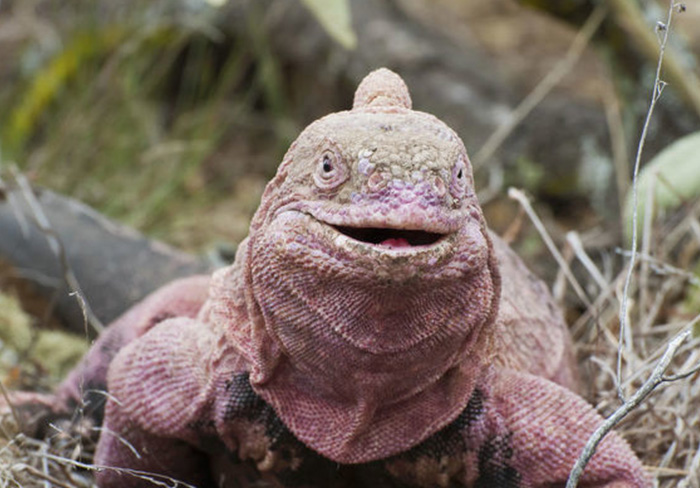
370,333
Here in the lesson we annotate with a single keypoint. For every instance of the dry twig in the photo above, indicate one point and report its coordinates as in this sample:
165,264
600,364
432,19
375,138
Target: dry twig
655,95
522,199
656,378
544,87
42,222
672,348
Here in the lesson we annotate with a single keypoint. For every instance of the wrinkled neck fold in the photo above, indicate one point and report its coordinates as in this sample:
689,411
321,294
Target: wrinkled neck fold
357,372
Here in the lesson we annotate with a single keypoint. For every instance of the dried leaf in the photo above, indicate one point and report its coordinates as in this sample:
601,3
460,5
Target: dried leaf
334,16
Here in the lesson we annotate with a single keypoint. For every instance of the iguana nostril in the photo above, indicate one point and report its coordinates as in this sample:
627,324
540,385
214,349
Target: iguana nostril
376,181
439,186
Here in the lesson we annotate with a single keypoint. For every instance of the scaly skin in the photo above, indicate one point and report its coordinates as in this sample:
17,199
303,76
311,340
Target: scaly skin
371,332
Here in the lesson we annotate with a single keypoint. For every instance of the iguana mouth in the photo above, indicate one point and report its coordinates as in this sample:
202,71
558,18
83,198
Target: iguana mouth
392,238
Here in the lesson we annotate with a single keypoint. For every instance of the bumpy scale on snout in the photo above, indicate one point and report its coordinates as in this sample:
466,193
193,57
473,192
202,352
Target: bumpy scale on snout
371,332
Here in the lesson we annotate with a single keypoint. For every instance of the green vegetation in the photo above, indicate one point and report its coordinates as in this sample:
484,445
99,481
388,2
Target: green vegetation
130,113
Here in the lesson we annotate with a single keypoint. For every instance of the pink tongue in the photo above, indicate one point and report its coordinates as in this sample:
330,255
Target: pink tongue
395,242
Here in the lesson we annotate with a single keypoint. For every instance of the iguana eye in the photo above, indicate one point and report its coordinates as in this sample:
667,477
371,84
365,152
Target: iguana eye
460,178
326,165
330,170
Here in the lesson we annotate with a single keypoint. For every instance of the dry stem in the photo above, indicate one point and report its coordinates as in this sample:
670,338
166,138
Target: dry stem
657,377
655,95
42,222
543,88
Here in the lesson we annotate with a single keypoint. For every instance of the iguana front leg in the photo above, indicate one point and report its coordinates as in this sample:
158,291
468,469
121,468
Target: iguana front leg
160,415
85,388
535,432
86,385
128,456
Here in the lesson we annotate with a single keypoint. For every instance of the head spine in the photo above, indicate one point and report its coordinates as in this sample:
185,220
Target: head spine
382,88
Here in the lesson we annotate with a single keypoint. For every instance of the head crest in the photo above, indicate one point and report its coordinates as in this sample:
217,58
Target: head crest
382,88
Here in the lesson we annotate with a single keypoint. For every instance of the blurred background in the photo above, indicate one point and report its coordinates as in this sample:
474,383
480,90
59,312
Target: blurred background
170,116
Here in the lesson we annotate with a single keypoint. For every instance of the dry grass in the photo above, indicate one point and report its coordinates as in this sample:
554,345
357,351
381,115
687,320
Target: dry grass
60,460
663,301
663,430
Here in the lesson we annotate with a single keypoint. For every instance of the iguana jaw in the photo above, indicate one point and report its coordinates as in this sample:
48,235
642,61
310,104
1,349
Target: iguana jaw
395,242
360,232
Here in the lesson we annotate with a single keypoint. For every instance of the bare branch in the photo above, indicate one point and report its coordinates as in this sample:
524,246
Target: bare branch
48,479
657,377
629,16
543,88
575,242
664,269
655,94
154,478
518,195
13,411
42,222
105,431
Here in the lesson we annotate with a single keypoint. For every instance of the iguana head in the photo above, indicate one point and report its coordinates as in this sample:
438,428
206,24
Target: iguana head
369,261
380,185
